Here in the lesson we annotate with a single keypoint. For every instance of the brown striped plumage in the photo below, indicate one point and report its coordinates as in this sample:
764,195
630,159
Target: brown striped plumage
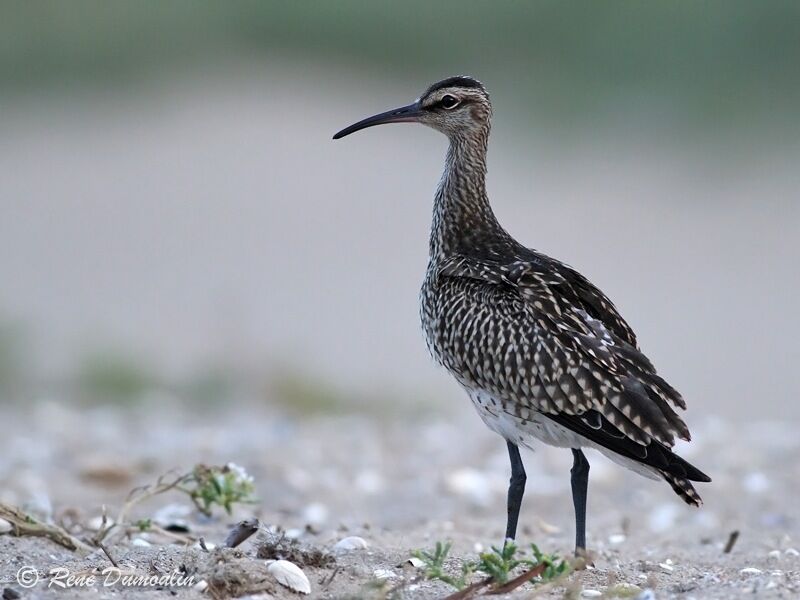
542,352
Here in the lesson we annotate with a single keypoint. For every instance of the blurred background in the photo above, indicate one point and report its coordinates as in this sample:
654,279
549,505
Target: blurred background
175,215
193,270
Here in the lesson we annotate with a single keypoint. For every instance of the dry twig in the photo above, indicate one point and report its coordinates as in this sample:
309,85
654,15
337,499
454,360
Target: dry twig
26,525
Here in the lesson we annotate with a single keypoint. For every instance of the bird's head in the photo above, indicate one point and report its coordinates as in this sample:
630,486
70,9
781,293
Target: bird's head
457,106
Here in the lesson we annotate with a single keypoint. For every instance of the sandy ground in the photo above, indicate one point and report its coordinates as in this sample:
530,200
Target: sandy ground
401,483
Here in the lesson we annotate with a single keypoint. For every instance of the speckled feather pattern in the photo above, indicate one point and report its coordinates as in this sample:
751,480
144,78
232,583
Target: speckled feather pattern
534,338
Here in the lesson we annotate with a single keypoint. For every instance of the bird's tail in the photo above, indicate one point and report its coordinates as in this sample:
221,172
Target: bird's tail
683,488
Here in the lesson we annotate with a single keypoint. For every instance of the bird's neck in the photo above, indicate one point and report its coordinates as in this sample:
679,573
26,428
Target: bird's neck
463,220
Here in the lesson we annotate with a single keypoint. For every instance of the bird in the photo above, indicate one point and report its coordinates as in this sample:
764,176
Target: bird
543,353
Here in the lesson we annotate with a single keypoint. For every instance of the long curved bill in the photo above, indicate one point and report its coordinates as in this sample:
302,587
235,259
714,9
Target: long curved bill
404,114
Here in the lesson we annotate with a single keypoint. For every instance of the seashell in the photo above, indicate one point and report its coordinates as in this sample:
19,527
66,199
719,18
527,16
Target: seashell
289,575
666,567
415,562
750,571
350,543
140,542
791,552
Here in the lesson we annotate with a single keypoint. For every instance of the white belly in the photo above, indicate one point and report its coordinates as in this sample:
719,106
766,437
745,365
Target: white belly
523,432
535,426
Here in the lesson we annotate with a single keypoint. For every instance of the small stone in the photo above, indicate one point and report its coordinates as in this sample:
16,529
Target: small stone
350,543
774,555
200,586
591,594
477,547
415,562
666,567
647,594
791,552
289,575
750,571
5,526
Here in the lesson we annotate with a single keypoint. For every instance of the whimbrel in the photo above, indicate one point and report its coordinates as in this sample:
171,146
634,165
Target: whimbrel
542,353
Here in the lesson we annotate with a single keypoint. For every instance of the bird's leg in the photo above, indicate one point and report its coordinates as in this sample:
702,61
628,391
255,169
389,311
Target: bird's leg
580,484
516,489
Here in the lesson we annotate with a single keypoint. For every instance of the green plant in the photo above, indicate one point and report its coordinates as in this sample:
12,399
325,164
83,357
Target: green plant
434,566
497,565
222,486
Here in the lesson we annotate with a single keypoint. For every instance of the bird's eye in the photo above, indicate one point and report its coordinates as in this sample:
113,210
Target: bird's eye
449,101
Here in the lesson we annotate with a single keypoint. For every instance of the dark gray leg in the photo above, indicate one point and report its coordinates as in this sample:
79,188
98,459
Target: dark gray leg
516,489
580,484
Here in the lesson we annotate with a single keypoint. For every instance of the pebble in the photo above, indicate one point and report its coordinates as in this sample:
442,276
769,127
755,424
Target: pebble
791,552
350,543
591,594
774,555
5,526
647,594
289,575
666,567
415,562
750,571
200,586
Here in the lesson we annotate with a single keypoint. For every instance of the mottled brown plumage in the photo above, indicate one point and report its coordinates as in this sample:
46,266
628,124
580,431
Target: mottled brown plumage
542,352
